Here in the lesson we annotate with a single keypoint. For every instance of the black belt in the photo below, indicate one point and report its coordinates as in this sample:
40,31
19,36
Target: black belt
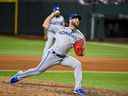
58,55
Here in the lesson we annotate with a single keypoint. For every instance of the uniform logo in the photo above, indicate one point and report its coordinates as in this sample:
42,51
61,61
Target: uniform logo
70,34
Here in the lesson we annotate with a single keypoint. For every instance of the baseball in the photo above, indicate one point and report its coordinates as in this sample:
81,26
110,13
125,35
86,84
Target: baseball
57,12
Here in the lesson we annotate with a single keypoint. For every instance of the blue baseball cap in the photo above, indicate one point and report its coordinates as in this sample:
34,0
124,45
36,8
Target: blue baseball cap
75,15
56,7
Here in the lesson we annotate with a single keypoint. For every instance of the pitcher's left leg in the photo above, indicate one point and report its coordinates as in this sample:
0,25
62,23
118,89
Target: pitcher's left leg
76,65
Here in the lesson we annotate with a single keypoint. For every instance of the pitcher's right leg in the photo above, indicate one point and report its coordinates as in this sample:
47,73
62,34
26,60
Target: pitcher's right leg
45,63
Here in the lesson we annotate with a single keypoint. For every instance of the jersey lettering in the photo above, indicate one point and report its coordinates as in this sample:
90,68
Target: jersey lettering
69,34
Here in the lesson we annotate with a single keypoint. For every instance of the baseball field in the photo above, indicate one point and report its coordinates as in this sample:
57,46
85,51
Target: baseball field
105,69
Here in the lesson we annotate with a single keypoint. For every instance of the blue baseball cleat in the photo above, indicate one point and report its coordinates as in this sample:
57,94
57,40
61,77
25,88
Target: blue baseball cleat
80,92
15,78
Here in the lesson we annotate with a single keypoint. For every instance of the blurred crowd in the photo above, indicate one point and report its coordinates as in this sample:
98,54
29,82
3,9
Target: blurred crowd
104,1
84,2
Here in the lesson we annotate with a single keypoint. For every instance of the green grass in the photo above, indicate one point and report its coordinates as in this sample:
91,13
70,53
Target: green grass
107,50
113,81
15,46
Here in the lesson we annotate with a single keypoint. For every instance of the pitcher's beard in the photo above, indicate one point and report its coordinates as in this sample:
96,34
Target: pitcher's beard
76,26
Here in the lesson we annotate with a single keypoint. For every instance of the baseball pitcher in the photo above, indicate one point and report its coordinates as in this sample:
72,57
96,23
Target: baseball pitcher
66,38
56,21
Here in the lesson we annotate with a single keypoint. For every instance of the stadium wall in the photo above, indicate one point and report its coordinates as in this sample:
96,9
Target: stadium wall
32,13
7,18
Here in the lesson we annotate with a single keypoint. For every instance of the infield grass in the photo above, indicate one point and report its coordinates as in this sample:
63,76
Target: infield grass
16,46
114,81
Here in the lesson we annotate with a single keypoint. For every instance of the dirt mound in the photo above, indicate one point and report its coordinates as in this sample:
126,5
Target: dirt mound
30,87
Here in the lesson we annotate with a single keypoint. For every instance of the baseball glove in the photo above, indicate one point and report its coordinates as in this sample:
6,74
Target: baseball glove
79,47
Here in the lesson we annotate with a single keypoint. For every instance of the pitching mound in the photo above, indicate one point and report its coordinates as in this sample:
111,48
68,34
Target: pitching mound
29,87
